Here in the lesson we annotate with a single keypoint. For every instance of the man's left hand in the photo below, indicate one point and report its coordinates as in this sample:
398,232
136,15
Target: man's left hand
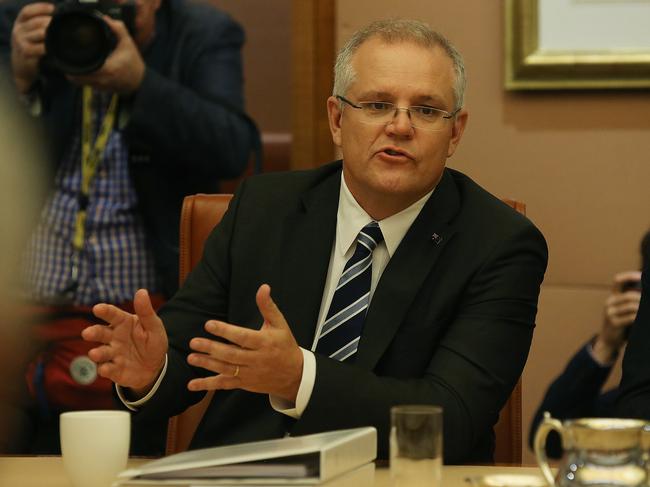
266,361
123,70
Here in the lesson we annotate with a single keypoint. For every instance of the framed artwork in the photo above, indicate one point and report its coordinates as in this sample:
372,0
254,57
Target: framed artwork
577,44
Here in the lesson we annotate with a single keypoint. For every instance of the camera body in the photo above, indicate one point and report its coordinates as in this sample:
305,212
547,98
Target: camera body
78,40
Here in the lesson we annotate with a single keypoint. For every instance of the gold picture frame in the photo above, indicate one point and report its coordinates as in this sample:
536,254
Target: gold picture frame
530,68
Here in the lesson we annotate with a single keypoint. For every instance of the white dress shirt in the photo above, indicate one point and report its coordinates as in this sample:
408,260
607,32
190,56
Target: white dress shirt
350,219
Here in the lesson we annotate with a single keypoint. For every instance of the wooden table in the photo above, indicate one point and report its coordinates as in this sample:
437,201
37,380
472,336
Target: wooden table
48,472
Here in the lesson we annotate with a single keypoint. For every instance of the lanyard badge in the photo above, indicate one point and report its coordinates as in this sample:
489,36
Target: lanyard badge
91,154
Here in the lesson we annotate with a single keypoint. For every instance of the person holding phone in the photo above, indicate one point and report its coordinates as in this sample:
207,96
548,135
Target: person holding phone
576,392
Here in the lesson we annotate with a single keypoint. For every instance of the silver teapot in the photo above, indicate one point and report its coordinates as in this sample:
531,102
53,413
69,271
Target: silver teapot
598,452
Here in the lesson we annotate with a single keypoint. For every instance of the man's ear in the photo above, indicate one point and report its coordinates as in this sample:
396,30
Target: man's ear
334,113
460,121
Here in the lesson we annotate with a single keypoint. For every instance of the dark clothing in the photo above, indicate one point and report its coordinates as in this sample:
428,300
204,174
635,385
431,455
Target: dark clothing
185,126
634,399
575,394
450,322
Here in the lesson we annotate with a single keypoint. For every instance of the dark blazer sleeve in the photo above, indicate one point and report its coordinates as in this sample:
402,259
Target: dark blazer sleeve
575,393
204,296
470,373
634,399
192,113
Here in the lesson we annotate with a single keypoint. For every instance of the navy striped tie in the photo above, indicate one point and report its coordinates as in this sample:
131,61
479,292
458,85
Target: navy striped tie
341,331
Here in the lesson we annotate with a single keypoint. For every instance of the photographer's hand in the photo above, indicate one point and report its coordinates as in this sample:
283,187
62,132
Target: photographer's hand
123,70
620,311
28,43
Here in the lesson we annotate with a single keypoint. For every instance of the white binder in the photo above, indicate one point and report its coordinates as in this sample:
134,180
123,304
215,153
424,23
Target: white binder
300,460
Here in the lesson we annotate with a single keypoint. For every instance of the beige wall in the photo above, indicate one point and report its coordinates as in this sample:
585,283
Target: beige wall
580,161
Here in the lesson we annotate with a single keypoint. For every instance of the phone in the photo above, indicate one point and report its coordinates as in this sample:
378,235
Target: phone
632,285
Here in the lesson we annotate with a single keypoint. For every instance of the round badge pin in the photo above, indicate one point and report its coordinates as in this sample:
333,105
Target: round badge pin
83,370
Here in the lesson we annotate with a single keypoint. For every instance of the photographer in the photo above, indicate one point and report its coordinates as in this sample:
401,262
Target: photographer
161,118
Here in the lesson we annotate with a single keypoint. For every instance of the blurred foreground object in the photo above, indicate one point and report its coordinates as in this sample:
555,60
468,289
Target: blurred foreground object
20,195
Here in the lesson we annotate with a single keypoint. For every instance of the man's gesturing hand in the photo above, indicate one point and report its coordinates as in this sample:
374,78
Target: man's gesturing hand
267,361
134,345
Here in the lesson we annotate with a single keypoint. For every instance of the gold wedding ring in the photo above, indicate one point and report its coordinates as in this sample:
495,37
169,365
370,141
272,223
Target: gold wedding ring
236,371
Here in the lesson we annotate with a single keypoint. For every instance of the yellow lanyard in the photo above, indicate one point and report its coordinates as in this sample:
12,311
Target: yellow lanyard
90,156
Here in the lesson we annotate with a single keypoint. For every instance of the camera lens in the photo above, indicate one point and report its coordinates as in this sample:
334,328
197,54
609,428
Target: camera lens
78,42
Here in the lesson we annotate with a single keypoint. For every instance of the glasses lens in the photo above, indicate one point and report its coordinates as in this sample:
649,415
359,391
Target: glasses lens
426,117
381,113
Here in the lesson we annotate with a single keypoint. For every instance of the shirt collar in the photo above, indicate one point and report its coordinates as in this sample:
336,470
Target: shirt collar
351,218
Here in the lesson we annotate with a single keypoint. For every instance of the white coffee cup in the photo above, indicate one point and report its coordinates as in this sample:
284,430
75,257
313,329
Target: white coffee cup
94,446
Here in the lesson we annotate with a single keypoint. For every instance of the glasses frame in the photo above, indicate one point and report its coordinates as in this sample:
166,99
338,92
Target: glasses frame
445,114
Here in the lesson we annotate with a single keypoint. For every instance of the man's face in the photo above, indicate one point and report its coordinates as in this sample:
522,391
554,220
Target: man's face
388,167
145,21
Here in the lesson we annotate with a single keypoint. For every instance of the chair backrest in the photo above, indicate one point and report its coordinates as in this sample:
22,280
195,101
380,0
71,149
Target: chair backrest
200,214
507,431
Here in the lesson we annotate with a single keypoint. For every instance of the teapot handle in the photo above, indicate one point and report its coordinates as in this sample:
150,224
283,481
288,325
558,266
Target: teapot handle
549,424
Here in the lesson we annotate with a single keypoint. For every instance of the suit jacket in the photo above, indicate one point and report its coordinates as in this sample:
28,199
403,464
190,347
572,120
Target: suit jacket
634,390
185,127
450,322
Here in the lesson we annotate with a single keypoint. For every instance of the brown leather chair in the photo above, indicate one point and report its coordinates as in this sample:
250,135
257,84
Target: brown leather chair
200,214
508,429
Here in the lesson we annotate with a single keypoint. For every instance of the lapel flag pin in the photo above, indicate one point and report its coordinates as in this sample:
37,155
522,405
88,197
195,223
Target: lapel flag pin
436,238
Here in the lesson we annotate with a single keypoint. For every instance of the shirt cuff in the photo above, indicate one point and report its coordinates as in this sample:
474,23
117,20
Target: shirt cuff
134,405
602,365
304,390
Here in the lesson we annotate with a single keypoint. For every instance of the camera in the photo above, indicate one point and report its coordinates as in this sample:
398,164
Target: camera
78,40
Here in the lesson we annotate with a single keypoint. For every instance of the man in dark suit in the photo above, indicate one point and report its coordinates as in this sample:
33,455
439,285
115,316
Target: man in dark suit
452,276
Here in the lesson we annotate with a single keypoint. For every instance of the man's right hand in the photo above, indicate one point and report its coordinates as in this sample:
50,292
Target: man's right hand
134,345
28,43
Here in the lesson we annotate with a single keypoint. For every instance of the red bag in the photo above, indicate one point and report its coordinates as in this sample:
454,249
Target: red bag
62,377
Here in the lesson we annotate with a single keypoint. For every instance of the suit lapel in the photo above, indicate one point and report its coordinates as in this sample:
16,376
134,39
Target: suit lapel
307,245
403,276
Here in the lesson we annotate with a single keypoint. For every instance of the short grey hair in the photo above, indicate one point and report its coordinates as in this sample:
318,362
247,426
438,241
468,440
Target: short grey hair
395,31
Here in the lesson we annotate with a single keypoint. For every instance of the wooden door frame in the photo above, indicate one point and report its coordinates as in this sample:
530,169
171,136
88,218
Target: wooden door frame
313,52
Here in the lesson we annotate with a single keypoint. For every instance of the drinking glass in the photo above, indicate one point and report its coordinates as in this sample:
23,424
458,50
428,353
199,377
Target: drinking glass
416,446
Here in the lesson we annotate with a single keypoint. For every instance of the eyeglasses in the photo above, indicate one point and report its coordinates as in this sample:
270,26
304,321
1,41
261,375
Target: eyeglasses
382,112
